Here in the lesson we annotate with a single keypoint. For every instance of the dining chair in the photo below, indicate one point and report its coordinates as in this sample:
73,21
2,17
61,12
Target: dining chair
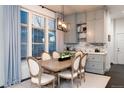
70,73
36,72
79,52
81,71
45,56
55,55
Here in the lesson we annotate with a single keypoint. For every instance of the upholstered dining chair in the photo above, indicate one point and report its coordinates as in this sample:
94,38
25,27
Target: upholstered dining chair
70,73
45,56
82,66
79,52
36,72
55,54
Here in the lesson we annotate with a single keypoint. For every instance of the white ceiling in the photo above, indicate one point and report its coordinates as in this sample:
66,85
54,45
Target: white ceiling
115,10
70,9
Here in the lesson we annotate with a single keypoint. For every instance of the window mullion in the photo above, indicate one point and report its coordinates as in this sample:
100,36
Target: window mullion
30,35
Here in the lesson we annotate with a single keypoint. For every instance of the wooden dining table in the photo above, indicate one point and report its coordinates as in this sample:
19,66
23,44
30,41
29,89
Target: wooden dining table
54,65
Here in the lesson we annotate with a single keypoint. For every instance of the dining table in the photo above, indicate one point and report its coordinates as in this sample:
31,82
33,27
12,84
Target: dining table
54,65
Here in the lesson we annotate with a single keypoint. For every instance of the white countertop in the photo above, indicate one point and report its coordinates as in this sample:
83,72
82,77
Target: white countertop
97,53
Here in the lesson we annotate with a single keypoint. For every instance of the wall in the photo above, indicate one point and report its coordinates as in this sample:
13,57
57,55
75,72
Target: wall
110,44
1,48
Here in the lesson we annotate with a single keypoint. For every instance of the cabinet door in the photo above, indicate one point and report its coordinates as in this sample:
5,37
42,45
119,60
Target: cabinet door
99,14
90,15
90,31
71,35
80,18
99,31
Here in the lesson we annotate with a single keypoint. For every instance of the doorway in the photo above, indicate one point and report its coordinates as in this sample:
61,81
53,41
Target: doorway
119,41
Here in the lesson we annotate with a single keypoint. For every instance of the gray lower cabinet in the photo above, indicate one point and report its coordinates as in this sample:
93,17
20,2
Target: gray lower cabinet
95,63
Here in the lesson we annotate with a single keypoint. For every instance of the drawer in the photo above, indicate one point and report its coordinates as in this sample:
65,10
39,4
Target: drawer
95,58
94,65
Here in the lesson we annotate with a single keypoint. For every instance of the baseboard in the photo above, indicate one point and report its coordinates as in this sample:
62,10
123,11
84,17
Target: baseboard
94,73
1,86
25,79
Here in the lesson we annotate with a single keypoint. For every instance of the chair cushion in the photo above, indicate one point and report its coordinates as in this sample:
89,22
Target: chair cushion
45,79
67,74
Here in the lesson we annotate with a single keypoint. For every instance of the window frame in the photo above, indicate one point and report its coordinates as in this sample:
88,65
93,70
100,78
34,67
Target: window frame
26,26
46,30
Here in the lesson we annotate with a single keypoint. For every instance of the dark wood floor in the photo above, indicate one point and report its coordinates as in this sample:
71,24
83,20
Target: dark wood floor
117,76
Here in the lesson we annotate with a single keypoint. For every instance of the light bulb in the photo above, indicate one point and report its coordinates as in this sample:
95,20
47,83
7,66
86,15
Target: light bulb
64,25
59,23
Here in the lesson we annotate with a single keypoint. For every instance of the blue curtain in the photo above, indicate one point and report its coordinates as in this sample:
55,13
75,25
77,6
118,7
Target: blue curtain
12,55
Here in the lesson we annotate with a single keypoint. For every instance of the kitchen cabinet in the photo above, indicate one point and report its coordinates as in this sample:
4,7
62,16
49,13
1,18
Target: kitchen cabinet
80,18
71,35
96,63
96,27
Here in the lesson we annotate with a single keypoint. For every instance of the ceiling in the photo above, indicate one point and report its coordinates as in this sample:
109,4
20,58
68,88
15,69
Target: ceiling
116,11
70,9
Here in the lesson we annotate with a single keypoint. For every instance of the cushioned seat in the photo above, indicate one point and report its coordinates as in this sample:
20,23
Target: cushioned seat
36,73
67,74
71,73
45,79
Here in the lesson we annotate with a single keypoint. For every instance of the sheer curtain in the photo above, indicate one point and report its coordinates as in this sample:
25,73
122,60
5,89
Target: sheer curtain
12,55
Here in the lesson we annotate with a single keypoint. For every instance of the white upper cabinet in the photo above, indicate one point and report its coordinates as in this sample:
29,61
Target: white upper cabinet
90,31
95,26
80,18
90,15
99,31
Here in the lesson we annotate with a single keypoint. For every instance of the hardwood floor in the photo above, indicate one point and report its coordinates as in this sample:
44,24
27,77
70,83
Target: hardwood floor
117,76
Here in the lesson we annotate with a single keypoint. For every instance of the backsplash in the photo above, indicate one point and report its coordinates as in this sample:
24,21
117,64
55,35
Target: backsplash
86,47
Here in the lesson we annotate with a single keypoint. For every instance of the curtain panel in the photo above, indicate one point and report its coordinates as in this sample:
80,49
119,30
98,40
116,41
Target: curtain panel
12,57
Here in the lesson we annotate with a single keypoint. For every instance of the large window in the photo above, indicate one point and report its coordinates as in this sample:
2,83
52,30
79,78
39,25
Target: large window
24,29
38,24
52,35
34,30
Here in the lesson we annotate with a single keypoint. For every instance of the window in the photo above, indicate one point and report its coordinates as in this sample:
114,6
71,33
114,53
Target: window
24,29
33,34
38,35
52,35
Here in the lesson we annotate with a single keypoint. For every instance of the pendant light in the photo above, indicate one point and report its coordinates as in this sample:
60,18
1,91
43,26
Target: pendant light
61,25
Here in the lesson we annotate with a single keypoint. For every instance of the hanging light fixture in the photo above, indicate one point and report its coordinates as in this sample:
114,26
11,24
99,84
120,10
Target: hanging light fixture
61,25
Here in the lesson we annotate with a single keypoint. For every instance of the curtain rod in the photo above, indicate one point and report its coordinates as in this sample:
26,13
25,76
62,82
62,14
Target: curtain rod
50,9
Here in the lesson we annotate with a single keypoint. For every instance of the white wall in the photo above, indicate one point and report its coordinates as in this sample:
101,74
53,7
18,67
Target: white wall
110,44
1,48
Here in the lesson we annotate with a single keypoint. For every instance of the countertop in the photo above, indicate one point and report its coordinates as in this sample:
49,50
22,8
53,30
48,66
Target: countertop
95,53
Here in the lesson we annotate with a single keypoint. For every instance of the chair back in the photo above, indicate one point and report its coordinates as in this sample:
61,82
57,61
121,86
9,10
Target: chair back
33,66
45,56
55,54
76,63
83,61
79,53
